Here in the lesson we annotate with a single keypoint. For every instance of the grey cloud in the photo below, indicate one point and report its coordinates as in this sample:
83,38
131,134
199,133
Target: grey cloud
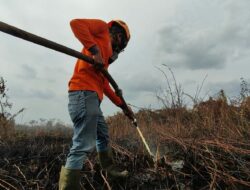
140,86
202,57
28,72
194,50
42,94
26,93
231,88
206,47
143,83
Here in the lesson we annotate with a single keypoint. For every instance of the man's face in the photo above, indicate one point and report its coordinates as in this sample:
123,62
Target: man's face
119,42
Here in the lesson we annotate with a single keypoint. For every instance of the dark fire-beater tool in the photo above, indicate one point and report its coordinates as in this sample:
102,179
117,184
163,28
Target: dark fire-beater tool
63,49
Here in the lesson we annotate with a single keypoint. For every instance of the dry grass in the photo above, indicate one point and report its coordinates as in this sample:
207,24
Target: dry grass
210,141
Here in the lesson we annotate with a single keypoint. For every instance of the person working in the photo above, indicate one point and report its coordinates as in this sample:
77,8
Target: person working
103,42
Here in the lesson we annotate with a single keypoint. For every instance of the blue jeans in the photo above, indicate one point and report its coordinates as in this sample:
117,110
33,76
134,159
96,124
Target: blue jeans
90,128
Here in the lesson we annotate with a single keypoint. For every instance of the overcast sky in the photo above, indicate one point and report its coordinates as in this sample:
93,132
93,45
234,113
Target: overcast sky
194,38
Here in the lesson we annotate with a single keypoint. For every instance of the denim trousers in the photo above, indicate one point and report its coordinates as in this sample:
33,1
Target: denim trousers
90,128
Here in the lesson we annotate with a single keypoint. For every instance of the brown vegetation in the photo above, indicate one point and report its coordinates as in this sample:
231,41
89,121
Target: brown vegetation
7,122
206,147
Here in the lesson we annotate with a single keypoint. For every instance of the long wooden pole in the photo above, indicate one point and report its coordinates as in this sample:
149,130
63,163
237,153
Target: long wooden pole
14,31
63,49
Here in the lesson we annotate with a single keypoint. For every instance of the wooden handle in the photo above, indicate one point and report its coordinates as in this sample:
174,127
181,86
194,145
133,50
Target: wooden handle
57,47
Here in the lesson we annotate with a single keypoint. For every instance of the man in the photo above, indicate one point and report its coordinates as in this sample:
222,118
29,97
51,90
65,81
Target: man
103,42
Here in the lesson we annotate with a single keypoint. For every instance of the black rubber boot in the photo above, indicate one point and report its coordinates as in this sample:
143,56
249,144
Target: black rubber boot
69,179
107,164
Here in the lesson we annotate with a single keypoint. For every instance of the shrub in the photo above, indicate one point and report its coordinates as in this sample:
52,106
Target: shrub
7,121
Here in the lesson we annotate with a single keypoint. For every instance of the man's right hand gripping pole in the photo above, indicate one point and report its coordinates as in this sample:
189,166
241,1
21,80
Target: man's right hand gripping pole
129,113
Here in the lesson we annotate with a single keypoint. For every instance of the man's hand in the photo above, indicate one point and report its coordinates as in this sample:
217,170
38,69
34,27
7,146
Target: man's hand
96,55
128,111
98,65
118,92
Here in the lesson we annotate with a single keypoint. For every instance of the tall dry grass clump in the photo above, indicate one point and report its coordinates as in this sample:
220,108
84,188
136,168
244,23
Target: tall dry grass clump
6,123
211,139
7,119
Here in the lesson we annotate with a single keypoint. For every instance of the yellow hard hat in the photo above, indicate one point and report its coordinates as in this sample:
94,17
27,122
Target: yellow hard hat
123,25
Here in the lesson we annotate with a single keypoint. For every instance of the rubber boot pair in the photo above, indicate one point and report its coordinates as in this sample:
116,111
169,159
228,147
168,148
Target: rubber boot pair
69,179
107,163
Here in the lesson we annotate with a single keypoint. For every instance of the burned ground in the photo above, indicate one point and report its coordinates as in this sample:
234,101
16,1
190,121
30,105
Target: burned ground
206,147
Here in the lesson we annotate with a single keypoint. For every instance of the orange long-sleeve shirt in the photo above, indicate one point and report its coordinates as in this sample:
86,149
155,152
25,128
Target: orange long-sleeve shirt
92,32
